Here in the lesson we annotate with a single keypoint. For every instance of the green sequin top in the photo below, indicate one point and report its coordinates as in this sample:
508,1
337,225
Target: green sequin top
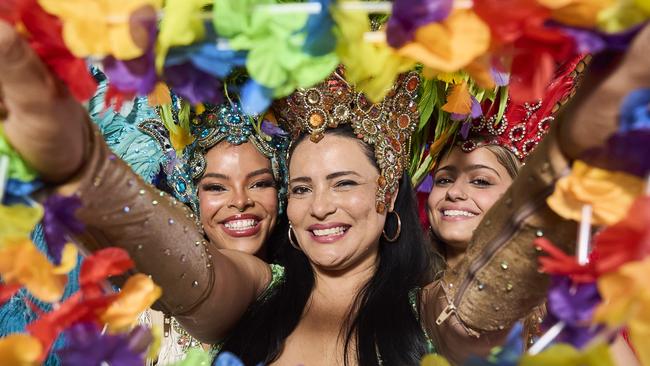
277,277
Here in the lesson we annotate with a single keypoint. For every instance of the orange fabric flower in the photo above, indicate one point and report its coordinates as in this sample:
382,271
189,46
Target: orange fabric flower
20,350
138,294
609,193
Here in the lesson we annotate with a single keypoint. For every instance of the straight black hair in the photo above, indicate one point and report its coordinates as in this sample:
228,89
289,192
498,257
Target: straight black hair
385,328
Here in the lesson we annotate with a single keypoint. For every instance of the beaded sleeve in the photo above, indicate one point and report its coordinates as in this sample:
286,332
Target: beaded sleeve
120,209
498,283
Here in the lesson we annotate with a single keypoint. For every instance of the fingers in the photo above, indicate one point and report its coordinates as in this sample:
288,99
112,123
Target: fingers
24,79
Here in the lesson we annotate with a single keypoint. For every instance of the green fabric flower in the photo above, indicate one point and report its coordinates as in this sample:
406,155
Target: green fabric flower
274,41
18,168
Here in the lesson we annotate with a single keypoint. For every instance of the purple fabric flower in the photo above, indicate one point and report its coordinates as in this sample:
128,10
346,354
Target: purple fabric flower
476,112
271,129
137,75
59,219
409,15
629,148
501,78
193,84
86,346
574,305
593,41
427,184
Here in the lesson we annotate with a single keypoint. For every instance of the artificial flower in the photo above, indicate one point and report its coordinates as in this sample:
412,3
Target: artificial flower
627,150
87,345
371,67
44,34
434,360
565,355
137,75
17,192
59,219
459,100
623,15
506,355
274,41
573,304
182,25
199,357
18,168
451,45
625,293
20,350
160,95
18,221
100,27
194,85
86,304
559,263
508,26
138,293
319,31
578,13
255,97
408,15
626,241
21,262
609,193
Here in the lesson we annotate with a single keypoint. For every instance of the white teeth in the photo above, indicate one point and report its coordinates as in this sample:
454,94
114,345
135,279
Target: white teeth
458,213
331,231
240,224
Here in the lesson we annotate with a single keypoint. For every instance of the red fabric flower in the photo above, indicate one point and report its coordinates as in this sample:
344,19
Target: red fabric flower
89,303
559,263
43,32
626,241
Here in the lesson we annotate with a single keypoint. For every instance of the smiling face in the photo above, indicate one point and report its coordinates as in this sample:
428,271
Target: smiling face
332,203
238,198
465,186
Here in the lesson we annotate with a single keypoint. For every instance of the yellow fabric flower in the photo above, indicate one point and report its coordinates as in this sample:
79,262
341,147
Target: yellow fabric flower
182,25
609,193
371,67
434,360
565,355
21,262
20,350
18,221
579,13
138,294
99,27
623,15
451,45
626,300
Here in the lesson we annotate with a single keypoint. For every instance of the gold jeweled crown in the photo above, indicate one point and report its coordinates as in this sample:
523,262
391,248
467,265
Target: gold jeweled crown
387,126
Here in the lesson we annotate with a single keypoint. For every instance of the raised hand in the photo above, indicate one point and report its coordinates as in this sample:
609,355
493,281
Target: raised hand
44,123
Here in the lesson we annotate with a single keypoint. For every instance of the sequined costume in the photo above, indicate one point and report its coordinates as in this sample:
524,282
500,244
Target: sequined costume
467,311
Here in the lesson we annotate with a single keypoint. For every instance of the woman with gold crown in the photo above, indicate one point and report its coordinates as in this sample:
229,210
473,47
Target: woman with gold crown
352,224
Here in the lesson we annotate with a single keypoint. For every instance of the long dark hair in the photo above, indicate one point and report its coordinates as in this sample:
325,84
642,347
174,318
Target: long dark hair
385,325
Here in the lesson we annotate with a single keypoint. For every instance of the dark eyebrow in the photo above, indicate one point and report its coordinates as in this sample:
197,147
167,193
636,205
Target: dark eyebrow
328,177
453,169
480,166
259,172
215,175
341,174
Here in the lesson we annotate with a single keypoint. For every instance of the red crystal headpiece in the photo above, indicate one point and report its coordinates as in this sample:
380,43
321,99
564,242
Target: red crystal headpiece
522,127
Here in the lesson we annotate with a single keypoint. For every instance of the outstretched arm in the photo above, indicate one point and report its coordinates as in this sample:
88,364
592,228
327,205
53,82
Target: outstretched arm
205,289
473,307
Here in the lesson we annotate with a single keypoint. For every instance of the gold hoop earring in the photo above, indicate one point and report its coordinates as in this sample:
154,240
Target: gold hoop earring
394,238
293,244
